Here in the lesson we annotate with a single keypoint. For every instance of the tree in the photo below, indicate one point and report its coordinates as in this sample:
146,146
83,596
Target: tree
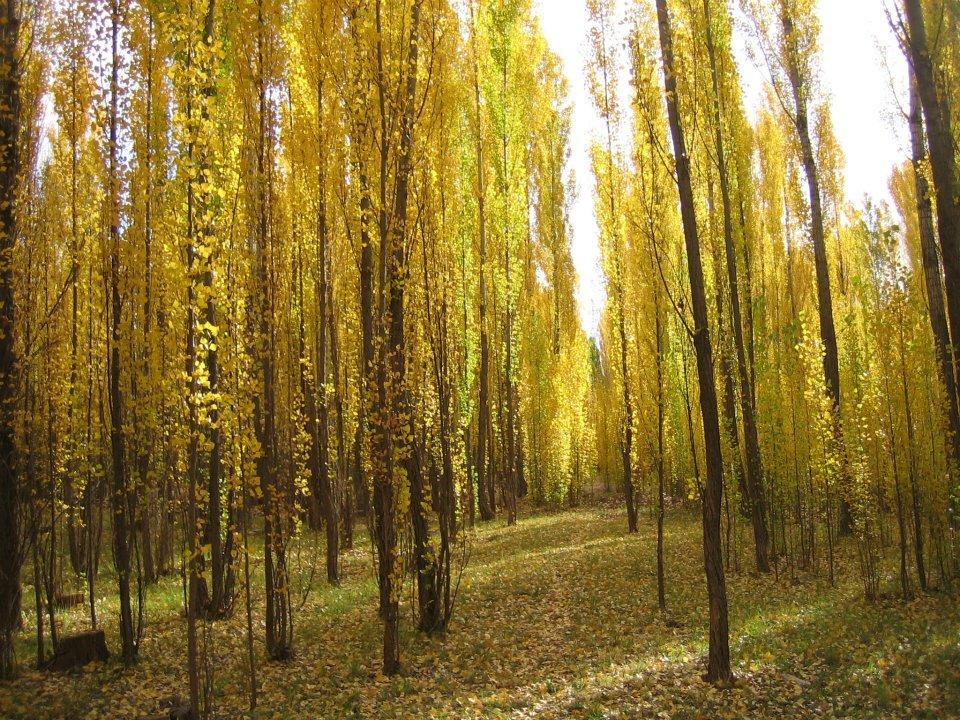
603,86
947,191
121,498
10,177
754,464
718,662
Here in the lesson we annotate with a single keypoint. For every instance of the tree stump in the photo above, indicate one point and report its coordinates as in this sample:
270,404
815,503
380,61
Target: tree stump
80,649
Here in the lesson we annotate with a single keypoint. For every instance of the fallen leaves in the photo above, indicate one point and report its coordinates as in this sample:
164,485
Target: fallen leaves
557,619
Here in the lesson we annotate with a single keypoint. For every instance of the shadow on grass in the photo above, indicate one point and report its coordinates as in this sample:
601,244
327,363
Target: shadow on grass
556,618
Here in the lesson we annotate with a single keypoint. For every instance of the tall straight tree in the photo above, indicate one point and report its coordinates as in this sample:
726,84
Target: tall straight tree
390,404
11,559
754,465
504,18
483,461
933,276
796,61
789,46
718,661
279,609
120,497
197,36
604,87
943,163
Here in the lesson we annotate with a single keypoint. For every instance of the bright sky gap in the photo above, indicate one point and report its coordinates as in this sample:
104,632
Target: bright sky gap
864,88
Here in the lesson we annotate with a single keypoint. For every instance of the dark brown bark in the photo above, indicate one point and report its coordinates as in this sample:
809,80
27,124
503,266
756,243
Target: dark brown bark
327,486
279,623
320,430
365,429
484,456
119,496
510,441
434,597
661,475
729,400
891,434
754,465
11,559
343,481
828,333
220,599
391,447
626,448
194,567
75,534
309,393
146,440
932,273
425,558
912,461
718,664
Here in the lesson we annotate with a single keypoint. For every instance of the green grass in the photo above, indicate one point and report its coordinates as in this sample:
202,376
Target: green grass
556,618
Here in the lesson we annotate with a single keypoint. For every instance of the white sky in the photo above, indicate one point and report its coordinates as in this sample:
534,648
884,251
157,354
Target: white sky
856,48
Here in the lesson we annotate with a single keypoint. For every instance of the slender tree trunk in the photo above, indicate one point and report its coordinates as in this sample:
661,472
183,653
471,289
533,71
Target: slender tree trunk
393,446
346,506
91,489
912,460
75,540
626,447
510,459
828,333
11,559
279,627
328,494
425,558
729,401
895,459
943,163
144,455
718,665
244,529
933,279
119,495
661,479
484,459
195,599
754,465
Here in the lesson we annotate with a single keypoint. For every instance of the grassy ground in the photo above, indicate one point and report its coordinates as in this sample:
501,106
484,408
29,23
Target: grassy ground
556,618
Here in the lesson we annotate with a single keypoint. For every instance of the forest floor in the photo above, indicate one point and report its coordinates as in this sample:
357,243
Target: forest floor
555,618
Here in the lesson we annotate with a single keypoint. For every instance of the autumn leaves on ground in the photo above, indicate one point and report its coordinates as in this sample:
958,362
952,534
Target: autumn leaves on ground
556,618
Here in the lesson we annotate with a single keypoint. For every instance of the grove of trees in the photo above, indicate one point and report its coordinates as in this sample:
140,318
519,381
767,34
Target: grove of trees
276,272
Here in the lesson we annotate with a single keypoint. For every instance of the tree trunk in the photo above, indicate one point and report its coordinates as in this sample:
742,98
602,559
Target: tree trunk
328,495
11,559
119,496
342,483
392,446
718,665
146,439
279,627
754,465
912,460
483,460
930,259
828,333
661,581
